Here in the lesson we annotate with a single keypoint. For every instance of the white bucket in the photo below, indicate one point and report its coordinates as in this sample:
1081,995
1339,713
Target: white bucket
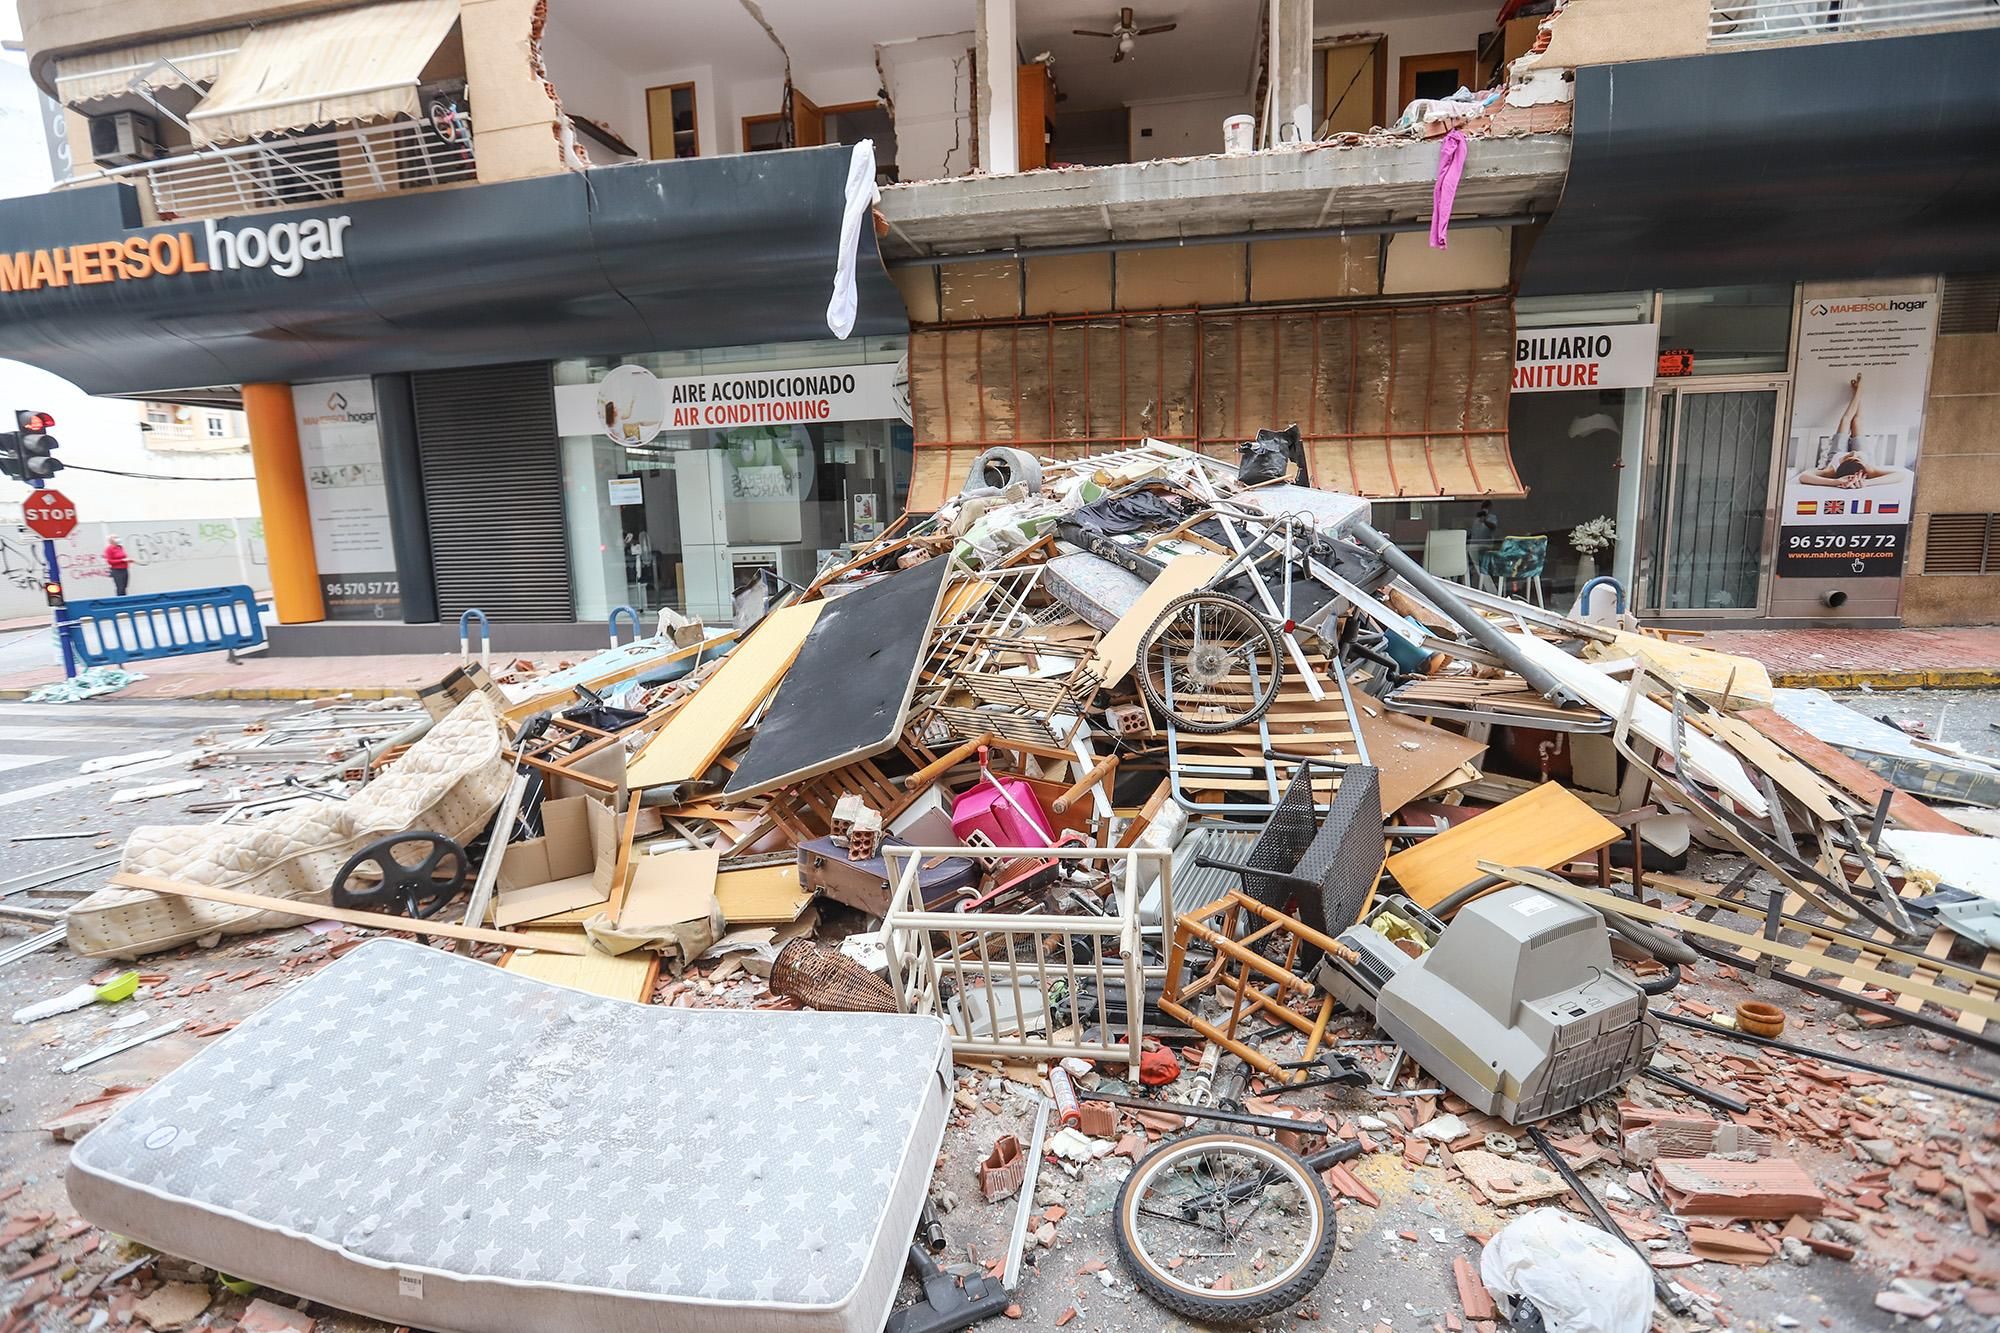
1239,135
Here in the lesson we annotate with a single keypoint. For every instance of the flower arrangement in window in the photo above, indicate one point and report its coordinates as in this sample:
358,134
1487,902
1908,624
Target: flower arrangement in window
1594,535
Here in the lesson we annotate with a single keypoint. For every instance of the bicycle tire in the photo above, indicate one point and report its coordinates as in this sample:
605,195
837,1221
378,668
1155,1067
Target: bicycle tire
1205,1304
1266,637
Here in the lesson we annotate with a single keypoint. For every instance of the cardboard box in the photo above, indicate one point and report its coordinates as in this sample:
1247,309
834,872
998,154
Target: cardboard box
569,867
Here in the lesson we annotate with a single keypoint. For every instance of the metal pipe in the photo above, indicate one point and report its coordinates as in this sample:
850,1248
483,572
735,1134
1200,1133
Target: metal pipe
1448,602
1190,242
1209,1113
1675,1300
1792,1048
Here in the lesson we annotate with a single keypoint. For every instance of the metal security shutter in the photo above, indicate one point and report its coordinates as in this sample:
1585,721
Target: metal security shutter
493,491
1970,304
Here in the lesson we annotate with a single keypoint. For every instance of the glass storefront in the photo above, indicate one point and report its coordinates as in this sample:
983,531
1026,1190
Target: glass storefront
703,481
1577,451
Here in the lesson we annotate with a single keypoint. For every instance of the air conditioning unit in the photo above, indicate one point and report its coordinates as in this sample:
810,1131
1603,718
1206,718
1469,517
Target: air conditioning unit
123,137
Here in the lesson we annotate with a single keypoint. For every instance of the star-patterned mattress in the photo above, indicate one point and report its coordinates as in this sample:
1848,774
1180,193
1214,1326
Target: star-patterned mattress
439,1143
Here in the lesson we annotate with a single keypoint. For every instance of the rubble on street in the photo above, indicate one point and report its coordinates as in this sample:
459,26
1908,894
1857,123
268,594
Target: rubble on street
1137,891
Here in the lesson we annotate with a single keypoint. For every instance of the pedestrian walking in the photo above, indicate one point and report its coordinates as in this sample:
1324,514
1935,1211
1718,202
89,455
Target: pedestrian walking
120,565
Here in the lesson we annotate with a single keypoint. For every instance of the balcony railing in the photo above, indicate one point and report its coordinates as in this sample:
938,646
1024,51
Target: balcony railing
355,162
1779,20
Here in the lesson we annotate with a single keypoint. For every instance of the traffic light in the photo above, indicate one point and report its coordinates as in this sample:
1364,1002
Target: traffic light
53,590
34,447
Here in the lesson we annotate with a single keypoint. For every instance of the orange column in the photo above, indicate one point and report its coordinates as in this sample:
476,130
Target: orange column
281,494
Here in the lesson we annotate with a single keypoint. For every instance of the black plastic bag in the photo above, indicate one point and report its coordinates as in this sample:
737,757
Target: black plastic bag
1264,458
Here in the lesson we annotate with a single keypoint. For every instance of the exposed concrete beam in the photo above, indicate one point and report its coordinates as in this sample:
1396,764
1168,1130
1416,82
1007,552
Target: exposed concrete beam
1322,186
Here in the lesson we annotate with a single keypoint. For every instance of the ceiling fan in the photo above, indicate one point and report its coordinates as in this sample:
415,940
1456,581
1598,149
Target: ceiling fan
1126,33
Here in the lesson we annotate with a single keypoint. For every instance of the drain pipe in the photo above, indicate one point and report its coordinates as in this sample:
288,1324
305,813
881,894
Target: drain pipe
1479,627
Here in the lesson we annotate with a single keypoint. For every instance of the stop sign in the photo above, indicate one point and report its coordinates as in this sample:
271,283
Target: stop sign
48,513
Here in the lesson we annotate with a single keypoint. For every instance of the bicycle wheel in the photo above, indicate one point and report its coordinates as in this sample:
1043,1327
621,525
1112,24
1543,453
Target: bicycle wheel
1198,1215
1210,663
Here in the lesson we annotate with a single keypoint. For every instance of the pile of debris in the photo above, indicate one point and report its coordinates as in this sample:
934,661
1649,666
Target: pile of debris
1242,868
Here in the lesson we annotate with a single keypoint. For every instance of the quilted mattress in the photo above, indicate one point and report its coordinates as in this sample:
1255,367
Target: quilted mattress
438,1143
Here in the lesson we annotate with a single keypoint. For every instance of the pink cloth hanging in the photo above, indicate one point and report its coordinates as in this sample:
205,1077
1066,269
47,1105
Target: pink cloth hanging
1451,166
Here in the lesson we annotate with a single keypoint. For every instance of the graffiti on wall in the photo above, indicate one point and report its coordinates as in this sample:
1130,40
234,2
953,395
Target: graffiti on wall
167,555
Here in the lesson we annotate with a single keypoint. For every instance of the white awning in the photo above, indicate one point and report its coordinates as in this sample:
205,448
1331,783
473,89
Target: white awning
191,62
327,69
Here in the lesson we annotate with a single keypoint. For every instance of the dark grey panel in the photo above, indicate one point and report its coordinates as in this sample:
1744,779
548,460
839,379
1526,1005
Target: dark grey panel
704,252
1854,159
493,491
402,469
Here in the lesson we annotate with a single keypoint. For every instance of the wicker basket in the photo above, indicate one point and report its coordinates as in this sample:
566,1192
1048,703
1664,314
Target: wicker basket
822,978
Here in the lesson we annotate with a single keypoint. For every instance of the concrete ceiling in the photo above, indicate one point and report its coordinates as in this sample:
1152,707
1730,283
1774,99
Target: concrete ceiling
1210,54
819,34
1368,15
1320,187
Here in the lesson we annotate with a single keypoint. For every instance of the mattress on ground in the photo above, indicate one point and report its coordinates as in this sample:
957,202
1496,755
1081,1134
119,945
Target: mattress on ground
442,1144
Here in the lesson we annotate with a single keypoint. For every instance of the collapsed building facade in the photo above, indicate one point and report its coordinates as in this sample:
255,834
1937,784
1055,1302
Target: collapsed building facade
545,287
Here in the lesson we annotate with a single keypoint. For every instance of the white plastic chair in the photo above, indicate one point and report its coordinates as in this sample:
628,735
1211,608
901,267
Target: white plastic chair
1444,554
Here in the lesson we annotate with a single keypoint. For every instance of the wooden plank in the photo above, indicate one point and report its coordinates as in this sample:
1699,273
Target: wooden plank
1118,650
762,895
627,976
689,743
1781,765
1960,1001
1708,759
1844,772
326,912
1546,827
1406,773
547,699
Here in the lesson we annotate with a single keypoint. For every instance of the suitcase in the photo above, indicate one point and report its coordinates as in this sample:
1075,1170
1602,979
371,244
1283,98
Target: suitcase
824,868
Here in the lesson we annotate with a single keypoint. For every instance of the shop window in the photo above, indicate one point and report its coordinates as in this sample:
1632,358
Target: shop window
1730,330
689,510
217,428
1962,544
1543,312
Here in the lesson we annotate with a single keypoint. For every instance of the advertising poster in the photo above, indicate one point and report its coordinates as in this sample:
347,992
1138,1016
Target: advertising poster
347,499
1857,432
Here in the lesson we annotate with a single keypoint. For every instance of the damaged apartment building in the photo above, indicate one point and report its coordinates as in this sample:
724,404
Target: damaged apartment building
601,296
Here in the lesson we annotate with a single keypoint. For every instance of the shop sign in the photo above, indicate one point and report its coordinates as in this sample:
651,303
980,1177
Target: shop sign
634,410
283,247
1587,356
347,499
1857,430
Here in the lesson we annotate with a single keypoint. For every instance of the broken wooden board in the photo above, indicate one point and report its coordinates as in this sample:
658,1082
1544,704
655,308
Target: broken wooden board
696,735
618,976
1546,827
762,895
324,912
1724,679
669,887
1962,1001
848,692
1118,650
1413,757
1710,762
1844,772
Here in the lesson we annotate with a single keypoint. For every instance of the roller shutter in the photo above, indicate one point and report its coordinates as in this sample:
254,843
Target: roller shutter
493,490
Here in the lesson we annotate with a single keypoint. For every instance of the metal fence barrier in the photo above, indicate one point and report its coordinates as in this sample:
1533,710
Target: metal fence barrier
108,631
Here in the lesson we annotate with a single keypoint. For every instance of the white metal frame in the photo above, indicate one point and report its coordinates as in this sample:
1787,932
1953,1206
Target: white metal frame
1780,20
368,160
974,949
1662,452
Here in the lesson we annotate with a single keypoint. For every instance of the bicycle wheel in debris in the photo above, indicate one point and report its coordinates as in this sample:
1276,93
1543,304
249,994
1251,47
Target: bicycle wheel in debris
1210,663
1225,1228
